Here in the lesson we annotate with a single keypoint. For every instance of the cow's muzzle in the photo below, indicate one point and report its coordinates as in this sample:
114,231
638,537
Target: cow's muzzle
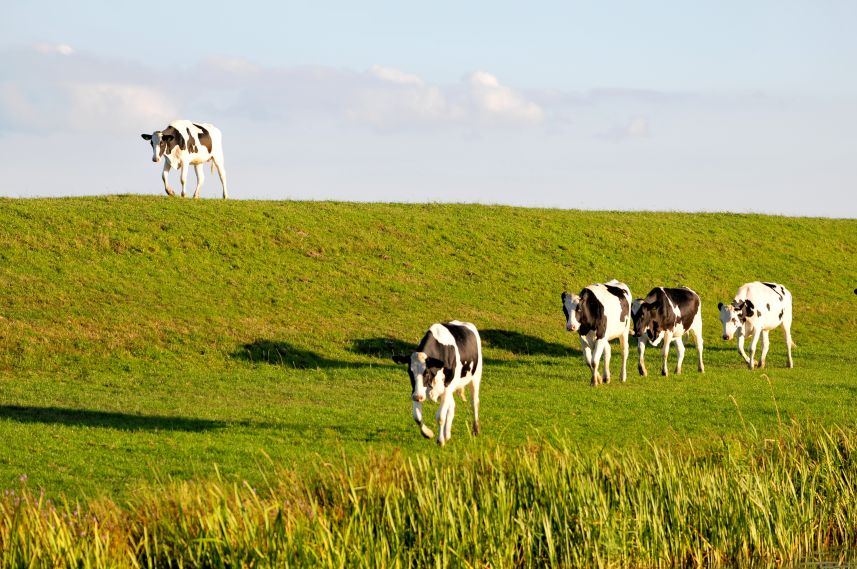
418,398
155,159
726,337
571,327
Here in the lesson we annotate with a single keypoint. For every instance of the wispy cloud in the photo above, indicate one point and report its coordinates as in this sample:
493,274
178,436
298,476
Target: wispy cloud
55,87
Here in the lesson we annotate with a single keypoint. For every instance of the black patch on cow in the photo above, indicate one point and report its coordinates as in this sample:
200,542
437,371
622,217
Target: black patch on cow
441,352
758,313
778,289
687,302
564,309
204,137
781,314
176,139
769,306
191,143
591,315
747,308
468,348
623,301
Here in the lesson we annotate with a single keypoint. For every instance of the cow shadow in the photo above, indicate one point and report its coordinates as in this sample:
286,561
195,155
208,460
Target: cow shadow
522,344
287,355
105,419
383,348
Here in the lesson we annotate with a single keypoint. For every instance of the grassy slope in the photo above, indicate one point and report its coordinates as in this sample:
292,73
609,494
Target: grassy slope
147,336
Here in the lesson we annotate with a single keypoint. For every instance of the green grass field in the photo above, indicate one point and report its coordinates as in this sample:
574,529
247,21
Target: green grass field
147,339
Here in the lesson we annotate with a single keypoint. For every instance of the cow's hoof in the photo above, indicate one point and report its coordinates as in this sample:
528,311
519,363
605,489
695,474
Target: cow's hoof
426,432
642,371
476,428
441,443
664,373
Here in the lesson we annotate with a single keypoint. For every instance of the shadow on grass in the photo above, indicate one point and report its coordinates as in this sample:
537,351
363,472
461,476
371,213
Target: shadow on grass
384,348
523,344
286,355
105,419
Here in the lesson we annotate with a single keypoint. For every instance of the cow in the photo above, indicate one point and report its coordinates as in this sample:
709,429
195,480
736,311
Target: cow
665,315
757,308
448,358
600,313
185,142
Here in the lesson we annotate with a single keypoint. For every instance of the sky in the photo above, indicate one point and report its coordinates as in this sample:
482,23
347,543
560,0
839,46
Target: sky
624,105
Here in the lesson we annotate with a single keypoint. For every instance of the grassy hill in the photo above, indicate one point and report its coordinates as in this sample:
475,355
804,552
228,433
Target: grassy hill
147,338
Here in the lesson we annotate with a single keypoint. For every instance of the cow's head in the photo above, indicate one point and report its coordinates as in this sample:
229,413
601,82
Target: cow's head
163,142
733,316
426,374
644,317
571,308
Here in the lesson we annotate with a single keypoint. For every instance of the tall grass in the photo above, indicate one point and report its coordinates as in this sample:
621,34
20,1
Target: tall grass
746,500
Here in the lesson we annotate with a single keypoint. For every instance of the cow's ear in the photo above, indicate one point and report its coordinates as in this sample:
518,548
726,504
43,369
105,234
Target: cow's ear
719,306
564,294
146,136
401,359
434,362
167,137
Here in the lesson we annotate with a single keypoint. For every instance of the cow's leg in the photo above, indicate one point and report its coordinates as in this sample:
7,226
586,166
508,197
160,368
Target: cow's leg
607,355
641,348
679,350
184,177
697,335
587,350
766,343
199,178
665,352
474,395
221,171
787,327
165,176
741,349
441,416
753,343
623,345
596,360
450,415
418,417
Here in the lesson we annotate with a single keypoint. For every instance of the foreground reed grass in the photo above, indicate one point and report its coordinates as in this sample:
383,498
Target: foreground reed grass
740,501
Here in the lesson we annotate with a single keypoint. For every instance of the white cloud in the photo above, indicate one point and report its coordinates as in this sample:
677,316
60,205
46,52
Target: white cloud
56,48
496,102
394,75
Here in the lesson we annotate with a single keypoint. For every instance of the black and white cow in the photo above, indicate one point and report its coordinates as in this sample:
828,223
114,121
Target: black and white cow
448,358
185,142
600,313
665,315
757,308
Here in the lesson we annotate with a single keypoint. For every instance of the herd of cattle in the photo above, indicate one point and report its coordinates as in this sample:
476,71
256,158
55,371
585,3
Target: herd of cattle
449,356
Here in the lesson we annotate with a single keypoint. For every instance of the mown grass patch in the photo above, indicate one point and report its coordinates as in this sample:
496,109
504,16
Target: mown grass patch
144,337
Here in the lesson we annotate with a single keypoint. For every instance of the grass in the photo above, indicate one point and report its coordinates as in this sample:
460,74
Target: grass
749,501
152,339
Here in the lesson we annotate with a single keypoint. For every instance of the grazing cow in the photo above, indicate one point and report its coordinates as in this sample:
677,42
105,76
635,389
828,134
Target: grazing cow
600,313
448,358
667,314
757,308
185,142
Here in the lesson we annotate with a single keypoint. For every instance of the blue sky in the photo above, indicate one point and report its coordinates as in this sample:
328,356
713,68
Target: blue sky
735,106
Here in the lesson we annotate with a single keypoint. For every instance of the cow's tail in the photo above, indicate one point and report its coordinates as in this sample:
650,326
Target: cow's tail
212,167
